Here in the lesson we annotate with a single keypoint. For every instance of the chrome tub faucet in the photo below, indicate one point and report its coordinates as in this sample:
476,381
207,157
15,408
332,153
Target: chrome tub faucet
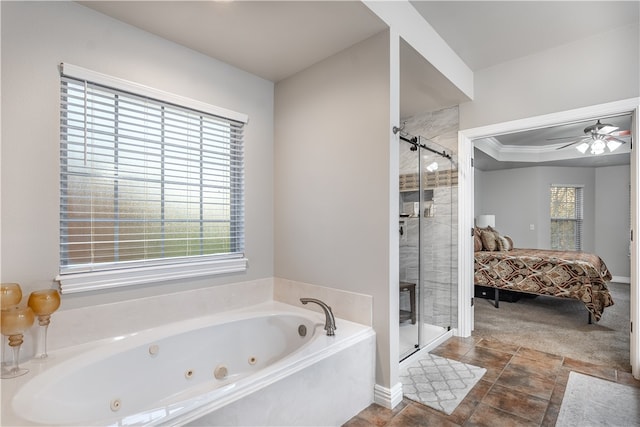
330,321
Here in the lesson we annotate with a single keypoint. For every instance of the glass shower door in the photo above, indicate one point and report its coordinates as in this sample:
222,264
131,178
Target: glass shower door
438,251
428,250
409,230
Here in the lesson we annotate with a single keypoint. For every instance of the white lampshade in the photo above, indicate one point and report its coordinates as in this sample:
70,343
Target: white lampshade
597,146
612,144
484,221
582,147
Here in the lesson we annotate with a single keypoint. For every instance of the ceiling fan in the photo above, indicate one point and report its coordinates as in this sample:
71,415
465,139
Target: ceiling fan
598,138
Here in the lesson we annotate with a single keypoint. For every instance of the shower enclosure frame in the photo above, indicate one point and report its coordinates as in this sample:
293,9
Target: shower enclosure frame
436,330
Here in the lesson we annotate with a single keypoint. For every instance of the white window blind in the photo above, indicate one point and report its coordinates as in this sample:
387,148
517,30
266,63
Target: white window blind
149,190
566,217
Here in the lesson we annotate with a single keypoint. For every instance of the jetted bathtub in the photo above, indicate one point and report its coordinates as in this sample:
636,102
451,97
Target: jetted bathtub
270,364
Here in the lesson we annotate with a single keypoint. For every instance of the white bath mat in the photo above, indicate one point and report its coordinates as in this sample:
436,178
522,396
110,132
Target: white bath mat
590,401
438,382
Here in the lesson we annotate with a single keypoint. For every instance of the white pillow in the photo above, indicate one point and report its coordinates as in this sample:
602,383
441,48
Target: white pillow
504,244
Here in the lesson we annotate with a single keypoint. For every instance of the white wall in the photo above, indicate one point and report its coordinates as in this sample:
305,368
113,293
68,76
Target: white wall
520,197
558,79
332,174
36,37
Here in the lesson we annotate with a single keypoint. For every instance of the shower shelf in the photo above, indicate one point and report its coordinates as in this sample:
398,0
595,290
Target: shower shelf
430,180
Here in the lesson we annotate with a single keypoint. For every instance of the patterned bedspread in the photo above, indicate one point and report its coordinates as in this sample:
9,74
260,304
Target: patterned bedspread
565,274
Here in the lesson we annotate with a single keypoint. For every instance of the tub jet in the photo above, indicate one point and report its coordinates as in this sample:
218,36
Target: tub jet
220,372
115,405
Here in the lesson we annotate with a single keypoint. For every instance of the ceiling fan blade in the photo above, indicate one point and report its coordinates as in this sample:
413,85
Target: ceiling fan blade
565,137
606,129
622,141
621,133
568,145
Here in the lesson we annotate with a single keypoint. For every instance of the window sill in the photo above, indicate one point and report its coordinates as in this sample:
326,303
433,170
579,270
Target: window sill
99,280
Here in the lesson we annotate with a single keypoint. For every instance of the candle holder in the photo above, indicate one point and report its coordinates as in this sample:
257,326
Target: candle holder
43,303
10,295
15,320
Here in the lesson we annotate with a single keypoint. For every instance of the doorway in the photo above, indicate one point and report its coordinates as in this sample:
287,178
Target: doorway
466,205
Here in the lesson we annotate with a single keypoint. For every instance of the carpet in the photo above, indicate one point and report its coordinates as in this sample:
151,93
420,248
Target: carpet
438,382
590,401
559,326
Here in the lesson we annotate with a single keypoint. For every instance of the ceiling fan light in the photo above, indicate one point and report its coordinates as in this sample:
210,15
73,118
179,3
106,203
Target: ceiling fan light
612,145
597,147
582,147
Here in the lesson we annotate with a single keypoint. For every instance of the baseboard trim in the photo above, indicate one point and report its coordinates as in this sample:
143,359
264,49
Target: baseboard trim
388,398
621,279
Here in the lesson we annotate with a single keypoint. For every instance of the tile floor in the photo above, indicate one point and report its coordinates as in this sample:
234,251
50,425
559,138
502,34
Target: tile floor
522,387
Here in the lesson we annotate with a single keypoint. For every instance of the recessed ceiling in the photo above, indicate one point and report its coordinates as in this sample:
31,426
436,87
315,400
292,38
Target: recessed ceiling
537,148
572,131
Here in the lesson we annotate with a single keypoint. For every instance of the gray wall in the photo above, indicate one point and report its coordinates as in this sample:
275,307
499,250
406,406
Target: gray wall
36,37
520,197
612,218
332,174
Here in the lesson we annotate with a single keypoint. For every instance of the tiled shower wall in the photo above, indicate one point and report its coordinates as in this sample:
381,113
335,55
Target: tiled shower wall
439,130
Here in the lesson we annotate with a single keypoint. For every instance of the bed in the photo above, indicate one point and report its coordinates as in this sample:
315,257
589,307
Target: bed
565,274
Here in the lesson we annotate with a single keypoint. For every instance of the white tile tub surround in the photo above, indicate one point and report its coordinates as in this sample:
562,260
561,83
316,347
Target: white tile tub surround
350,306
81,325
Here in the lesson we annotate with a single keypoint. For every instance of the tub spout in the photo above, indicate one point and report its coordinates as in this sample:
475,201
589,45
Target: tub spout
330,321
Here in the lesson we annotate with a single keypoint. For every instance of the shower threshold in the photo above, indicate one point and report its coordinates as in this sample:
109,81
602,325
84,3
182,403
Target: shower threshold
432,336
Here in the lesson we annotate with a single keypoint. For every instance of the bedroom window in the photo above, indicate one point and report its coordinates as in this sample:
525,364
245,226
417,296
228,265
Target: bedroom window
566,218
149,189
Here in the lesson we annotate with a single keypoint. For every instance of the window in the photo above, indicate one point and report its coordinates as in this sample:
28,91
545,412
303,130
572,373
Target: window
149,189
566,217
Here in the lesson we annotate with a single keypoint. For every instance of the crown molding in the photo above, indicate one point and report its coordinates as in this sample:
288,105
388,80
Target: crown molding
533,154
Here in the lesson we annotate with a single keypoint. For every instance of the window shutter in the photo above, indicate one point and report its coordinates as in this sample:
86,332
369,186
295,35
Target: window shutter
578,218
